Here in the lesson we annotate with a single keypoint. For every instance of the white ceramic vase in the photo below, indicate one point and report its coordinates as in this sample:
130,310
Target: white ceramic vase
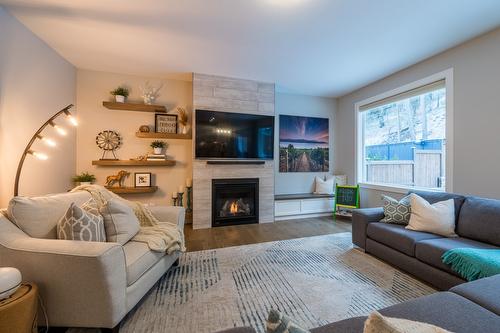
157,151
120,98
85,183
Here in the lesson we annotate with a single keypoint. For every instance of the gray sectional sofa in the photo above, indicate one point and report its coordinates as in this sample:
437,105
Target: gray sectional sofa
419,253
466,307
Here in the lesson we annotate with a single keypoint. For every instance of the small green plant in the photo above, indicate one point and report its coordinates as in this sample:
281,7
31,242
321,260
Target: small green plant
120,91
84,177
158,144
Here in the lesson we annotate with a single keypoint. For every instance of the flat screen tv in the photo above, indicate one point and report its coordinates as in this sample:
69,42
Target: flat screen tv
228,135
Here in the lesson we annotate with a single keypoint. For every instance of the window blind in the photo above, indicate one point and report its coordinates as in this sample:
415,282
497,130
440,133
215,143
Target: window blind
407,94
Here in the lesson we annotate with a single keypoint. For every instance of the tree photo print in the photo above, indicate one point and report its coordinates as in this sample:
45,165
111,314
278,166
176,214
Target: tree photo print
303,144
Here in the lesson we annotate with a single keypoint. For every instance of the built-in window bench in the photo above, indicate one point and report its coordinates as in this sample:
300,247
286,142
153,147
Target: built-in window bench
294,206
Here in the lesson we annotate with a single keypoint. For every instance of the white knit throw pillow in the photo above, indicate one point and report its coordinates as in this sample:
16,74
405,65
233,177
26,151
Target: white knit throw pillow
324,186
438,218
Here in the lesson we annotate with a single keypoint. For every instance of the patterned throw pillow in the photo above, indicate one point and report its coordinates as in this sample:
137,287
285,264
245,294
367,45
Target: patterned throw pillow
279,323
82,223
397,212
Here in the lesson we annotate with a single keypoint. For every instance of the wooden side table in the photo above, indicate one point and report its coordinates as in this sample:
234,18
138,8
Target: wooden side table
18,312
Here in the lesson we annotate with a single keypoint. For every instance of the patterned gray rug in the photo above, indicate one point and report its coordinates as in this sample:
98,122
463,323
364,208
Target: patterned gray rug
315,280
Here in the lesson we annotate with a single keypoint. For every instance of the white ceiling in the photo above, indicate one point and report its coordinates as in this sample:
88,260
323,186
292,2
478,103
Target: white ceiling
313,47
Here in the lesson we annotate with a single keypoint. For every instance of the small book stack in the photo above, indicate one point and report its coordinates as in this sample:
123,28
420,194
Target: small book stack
156,157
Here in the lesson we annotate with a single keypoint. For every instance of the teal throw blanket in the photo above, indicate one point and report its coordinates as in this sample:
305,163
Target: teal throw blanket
473,264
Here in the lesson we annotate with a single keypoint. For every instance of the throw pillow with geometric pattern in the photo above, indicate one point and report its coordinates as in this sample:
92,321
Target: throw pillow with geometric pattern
397,212
82,223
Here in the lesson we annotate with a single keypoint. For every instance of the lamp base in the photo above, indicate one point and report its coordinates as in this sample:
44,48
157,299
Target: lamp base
10,281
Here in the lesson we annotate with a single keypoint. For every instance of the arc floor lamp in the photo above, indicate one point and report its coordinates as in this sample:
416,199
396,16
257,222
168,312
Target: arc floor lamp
48,141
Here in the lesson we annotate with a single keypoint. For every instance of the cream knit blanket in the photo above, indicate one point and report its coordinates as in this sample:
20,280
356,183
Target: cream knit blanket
159,236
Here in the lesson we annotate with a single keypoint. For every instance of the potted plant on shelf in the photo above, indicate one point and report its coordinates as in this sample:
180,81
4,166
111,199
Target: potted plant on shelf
120,93
158,146
84,178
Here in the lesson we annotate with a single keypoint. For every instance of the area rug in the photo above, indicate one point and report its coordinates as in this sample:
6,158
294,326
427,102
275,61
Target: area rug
315,280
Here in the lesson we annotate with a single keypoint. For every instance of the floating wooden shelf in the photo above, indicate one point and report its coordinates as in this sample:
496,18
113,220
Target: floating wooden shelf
154,135
134,107
133,163
133,190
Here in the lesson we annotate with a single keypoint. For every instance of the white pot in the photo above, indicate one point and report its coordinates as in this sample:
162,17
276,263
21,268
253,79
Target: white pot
85,183
120,98
10,280
157,151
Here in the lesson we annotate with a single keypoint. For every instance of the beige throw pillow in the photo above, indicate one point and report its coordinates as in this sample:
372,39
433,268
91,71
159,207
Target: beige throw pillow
120,222
338,179
38,216
324,186
82,223
376,323
438,218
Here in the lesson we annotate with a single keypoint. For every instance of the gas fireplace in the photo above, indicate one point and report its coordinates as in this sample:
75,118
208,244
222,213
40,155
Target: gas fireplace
235,201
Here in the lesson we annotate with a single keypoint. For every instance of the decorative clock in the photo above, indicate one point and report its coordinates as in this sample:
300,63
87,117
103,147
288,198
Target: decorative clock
108,141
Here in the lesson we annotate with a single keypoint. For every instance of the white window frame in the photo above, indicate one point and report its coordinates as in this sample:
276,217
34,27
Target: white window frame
446,75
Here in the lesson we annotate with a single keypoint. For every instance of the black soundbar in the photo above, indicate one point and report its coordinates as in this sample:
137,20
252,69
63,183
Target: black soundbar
233,162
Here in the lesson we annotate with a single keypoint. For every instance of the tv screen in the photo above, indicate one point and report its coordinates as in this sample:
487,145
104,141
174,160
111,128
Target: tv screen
234,135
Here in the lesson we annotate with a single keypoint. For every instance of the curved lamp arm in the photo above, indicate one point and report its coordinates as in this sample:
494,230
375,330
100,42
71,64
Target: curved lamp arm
30,143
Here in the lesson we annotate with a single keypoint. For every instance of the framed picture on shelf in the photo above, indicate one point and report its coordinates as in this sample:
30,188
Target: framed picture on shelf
166,123
142,179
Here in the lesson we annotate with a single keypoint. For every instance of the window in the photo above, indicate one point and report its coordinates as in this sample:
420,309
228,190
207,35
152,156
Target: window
402,138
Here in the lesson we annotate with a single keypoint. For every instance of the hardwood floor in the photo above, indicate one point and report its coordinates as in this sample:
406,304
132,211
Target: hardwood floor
205,239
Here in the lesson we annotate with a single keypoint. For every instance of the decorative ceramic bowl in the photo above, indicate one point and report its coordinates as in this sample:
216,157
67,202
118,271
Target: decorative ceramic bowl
10,281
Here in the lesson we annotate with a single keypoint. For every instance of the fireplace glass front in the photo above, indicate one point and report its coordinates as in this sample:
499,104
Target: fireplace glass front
235,201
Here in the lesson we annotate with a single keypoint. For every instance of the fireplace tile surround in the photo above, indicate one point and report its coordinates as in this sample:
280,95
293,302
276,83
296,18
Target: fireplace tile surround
231,95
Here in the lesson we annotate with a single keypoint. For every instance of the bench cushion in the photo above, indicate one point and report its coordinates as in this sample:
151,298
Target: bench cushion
431,250
480,220
139,259
485,292
397,237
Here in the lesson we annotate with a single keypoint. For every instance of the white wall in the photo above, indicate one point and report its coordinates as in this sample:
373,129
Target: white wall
476,115
300,105
92,89
35,82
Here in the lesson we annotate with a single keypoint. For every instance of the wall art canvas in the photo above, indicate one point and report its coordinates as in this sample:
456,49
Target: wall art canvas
304,144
